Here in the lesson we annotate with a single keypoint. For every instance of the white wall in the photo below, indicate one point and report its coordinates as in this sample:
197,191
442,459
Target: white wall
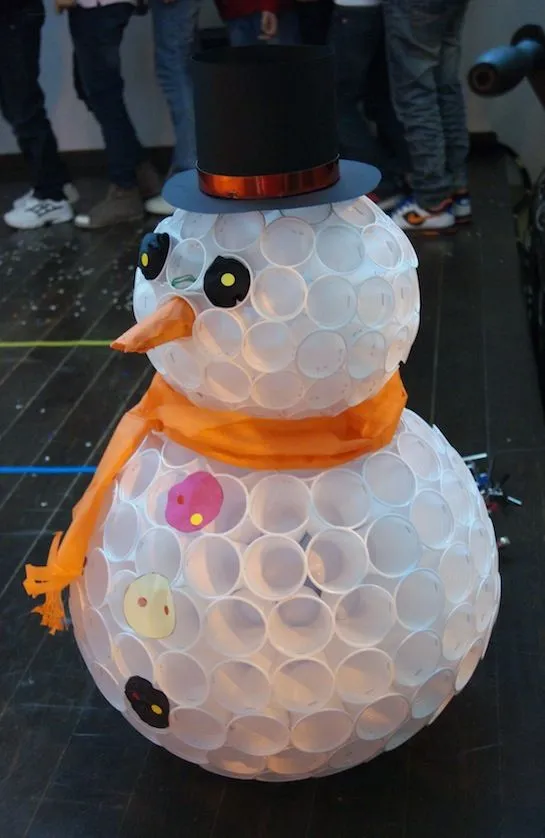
517,117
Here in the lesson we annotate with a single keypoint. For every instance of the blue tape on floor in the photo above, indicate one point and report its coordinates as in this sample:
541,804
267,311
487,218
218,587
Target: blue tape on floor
47,469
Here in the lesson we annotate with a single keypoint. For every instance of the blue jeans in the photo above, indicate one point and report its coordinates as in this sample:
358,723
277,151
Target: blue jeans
22,99
423,40
97,34
245,31
175,29
357,37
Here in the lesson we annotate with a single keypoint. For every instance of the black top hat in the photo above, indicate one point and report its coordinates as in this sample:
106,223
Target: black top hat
266,130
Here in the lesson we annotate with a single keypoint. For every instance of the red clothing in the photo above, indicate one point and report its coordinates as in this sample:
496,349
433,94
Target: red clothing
231,9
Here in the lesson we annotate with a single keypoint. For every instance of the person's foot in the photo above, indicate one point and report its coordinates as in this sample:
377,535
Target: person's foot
411,217
37,212
461,207
118,207
158,206
70,193
387,201
148,181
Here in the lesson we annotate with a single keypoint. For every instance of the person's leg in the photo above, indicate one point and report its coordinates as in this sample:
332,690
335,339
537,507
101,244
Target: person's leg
315,21
175,27
414,33
22,102
97,34
288,29
244,31
451,98
355,35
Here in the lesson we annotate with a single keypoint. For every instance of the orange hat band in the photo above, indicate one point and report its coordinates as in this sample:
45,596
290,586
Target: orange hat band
270,186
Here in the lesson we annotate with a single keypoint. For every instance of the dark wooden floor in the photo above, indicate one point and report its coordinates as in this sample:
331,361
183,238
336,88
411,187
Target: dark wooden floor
69,766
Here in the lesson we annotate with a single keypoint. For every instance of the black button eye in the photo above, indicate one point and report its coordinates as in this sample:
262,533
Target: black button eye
153,254
226,282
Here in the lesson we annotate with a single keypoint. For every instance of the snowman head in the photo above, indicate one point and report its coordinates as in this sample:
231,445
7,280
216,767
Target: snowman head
278,314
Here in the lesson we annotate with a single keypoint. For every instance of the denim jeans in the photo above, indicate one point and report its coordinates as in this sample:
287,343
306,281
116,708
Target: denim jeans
175,30
245,31
97,33
357,36
22,100
423,39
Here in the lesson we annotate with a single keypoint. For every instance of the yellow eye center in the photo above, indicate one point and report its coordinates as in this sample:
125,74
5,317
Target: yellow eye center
156,709
227,280
196,519
144,260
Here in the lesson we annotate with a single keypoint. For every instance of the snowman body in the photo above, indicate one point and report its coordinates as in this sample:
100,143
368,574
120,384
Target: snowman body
278,625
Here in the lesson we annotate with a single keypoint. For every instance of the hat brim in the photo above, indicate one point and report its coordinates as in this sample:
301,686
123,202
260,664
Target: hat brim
182,191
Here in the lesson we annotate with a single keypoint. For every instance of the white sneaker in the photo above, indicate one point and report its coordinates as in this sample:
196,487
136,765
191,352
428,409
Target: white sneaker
410,216
461,207
70,193
39,213
158,206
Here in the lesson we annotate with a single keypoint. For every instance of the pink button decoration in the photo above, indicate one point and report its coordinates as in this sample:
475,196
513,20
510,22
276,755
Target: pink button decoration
194,503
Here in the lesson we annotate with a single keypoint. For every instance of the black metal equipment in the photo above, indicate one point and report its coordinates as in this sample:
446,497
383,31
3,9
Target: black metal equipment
501,69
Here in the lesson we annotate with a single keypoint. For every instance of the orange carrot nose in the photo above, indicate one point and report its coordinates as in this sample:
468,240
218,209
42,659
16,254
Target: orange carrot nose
171,321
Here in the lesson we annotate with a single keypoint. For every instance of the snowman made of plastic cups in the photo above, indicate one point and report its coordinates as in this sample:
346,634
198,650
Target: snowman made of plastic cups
286,573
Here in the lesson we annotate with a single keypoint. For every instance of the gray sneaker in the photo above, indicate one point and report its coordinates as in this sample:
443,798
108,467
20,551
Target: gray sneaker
118,207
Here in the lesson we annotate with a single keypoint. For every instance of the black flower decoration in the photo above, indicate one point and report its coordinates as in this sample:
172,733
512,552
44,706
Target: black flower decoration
149,704
153,254
226,282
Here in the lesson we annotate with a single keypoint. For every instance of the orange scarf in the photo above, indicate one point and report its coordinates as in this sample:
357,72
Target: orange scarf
228,436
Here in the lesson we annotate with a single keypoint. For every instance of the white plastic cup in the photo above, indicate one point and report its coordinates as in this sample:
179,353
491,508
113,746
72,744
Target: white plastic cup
144,300
456,572
486,603
268,346
227,382
419,456
417,658
393,545
218,333
293,763
157,496
278,391
118,588
390,479
419,599
186,263
337,560
382,247
469,664
235,763
331,302
187,629
375,302
138,474
366,354
432,519
409,729
364,616
235,626
481,548
204,728
98,636
327,392
280,505
382,718
182,678
176,456
197,225
181,366
132,656
159,551
260,734
363,677
341,499
109,684
235,233
359,213
231,517
240,686
340,249
355,753
398,349
174,746
303,685
121,531
278,293
459,632
321,354
274,567
301,625
288,242
312,215
323,731
212,566
454,490
405,287
97,577
431,695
